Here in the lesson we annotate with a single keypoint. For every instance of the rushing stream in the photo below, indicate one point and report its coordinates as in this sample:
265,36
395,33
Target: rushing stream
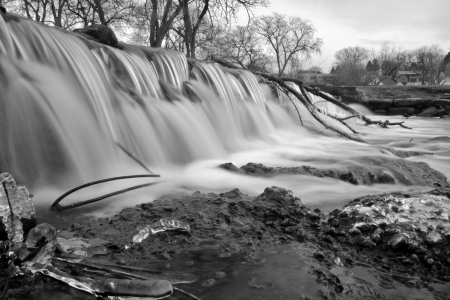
66,103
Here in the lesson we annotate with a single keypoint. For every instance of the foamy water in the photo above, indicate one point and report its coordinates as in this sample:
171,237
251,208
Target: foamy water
66,102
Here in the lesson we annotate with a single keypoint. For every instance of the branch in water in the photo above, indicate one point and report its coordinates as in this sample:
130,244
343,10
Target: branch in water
317,92
311,108
133,157
289,97
56,207
386,123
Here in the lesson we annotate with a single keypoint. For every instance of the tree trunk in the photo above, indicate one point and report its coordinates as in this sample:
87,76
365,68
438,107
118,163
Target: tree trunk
100,12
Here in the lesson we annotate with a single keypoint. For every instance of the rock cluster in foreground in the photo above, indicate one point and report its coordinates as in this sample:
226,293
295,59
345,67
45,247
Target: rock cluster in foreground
394,232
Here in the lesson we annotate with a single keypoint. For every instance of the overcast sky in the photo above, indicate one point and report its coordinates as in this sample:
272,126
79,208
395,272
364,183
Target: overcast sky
344,23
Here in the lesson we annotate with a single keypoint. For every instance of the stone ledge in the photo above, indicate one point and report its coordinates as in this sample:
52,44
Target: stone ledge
441,102
400,111
408,102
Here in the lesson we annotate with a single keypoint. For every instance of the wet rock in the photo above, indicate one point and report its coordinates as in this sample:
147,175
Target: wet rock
100,33
319,255
434,238
386,230
444,139
367,170
278,194
22,206
232,168
397,241
432,112
414,259
220,274
257,169
209,282
164,256
405,154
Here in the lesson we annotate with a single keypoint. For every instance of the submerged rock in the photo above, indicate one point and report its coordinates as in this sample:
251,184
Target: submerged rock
367,170
433,112
444,139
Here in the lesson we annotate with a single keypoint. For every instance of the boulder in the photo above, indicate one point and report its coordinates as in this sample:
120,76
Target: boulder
100,33
400,111
432,112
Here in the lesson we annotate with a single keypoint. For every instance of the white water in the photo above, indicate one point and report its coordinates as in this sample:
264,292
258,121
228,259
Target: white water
65,102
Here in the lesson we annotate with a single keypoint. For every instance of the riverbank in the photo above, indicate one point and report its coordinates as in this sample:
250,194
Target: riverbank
236,242
424,101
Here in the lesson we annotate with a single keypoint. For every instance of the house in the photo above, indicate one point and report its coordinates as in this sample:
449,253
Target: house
409,76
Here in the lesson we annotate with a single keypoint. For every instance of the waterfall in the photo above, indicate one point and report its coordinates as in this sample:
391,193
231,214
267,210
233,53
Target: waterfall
66,101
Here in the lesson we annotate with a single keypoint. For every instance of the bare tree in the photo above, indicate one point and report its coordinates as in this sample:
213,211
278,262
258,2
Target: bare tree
241,45
351,62
391,58
153,20
428,60
288,36
195,11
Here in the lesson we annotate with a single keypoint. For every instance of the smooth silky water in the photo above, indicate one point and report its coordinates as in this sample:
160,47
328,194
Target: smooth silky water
65,103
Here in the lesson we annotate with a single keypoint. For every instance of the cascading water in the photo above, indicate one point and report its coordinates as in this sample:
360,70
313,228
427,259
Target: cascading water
67,101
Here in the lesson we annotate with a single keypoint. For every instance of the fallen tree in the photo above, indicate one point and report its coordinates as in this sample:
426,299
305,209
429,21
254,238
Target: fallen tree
317,113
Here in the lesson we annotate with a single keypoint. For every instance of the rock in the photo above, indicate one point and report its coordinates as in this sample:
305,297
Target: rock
258,169
232,168
400,111
380,104
427,102
408,102
434,238
319,255
414,259
405,154
397,241
101,34
209,282
278,194
445,139
2,10
442,102
380,112
432,112
164,256
220,274
22,206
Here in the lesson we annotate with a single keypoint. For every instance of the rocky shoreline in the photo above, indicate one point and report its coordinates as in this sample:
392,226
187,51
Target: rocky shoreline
402,235
398,236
